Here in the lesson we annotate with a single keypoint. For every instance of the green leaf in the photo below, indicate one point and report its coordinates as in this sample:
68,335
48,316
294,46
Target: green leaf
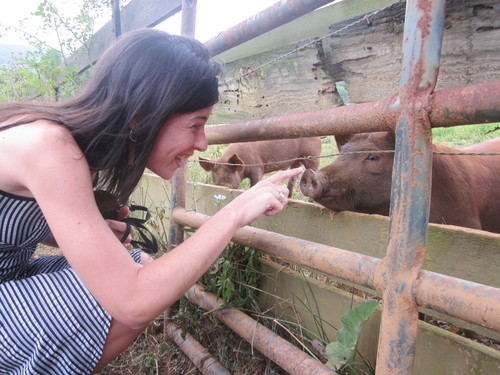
355,318
337,353
342,351
347,338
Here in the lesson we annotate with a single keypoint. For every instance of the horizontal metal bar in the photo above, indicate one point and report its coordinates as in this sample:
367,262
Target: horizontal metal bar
451,295
462,299
276,15
362,117
200,356
293,360
344,264
473,104
467,105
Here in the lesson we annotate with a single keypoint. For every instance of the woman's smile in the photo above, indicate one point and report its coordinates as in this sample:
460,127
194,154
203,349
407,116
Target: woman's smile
180,137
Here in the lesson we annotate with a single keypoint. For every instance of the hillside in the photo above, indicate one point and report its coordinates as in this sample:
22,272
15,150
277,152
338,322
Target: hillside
8,50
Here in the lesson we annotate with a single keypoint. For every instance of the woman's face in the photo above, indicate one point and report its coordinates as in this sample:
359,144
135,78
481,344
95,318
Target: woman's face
180,137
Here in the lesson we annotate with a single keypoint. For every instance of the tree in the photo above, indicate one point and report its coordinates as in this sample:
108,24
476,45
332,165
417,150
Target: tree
43,73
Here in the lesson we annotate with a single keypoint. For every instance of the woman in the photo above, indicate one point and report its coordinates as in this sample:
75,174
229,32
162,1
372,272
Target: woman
146,106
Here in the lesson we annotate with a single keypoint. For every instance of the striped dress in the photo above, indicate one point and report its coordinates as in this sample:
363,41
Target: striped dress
49,322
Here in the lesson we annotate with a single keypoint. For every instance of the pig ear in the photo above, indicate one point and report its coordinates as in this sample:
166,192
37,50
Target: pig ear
206,164
391,138
342,140
235,159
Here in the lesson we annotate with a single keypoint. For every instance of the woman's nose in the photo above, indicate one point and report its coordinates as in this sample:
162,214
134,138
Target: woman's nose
201,143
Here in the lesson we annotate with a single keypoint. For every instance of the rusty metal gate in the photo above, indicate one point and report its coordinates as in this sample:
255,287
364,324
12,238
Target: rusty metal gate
411,112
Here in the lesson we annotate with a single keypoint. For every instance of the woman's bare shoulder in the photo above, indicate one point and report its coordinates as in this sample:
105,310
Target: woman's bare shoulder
35,135
42,131
40,147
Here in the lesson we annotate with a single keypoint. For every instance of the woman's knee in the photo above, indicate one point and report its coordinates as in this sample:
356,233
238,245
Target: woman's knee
119,338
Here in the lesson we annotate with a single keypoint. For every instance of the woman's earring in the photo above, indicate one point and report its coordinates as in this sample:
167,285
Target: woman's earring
131,136
131,148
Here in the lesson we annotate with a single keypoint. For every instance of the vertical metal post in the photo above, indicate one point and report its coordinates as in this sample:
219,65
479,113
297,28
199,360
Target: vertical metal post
178,185
176,235
117,22
411,183
188,22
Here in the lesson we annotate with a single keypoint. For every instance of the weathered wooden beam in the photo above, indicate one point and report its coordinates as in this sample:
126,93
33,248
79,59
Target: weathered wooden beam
137,14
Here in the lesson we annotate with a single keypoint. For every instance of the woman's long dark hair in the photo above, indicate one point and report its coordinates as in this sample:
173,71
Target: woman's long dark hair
143,78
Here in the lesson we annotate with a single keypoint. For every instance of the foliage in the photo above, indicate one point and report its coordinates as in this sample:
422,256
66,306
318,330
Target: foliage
341,352
234,276
44,73
72,31
36,75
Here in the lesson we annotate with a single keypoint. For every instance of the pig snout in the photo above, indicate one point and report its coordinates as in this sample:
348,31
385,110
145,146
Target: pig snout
310,183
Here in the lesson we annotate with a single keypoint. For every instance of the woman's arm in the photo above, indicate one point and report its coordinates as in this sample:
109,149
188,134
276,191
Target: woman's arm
119,228
178,270
134,295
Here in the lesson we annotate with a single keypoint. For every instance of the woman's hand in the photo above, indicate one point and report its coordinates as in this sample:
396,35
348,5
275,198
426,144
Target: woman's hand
122,231
266,197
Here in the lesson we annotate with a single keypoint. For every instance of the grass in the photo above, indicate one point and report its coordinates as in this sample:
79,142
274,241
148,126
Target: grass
465,135
235,277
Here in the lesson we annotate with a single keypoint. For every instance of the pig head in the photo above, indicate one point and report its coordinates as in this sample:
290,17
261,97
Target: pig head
354,182
464,188
254,159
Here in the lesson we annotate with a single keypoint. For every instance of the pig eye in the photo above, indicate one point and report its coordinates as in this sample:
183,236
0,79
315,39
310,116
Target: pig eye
372,157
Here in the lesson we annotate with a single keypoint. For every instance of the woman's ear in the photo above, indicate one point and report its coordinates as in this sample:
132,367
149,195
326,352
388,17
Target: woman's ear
133,129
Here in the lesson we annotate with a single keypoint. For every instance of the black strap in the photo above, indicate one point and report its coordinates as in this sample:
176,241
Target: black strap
109,206
148,241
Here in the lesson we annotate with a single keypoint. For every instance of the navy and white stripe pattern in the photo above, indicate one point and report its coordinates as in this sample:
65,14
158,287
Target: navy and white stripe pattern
22,227
49,322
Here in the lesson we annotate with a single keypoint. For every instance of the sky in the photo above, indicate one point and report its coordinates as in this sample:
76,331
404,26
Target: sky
211,16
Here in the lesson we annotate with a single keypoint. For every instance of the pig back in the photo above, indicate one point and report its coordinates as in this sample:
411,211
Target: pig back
465,188
284,153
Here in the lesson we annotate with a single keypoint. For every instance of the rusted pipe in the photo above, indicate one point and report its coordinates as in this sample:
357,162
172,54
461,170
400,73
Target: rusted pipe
362,117
270,18
200,356
360,269
344,264
277,349
473,104
466,300
466,105
178,183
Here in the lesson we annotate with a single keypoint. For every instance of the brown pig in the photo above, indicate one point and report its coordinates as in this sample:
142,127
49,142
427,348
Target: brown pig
465,188
254,159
